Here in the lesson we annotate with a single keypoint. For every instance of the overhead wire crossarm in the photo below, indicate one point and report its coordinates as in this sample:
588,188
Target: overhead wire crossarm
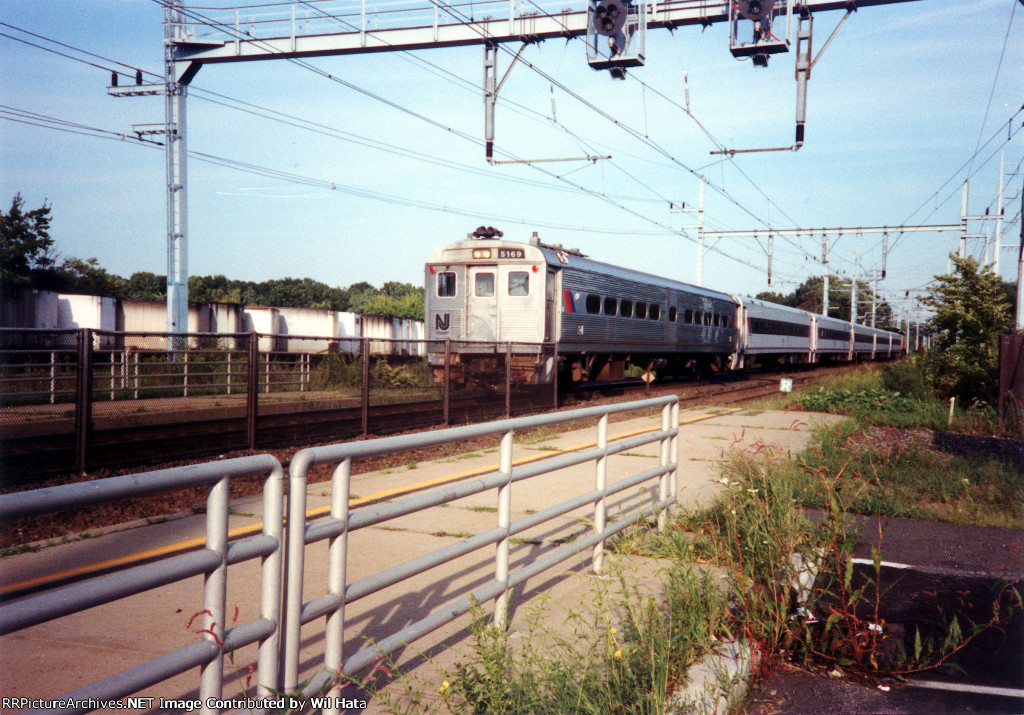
766,233
420,25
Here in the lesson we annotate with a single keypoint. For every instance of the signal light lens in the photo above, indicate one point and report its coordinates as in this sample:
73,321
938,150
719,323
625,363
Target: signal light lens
431,269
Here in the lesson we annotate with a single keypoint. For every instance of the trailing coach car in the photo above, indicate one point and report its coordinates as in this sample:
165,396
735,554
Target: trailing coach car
484,293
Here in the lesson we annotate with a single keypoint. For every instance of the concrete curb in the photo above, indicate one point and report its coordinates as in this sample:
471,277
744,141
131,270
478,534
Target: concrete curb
717,681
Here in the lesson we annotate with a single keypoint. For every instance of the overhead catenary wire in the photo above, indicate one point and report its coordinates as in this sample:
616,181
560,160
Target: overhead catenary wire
302,63
288,119
22,116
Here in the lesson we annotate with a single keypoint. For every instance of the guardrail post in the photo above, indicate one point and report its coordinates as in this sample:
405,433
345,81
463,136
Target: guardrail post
294,570
364,349
663,480
337,563
53,377
504,520
508,380
554,376
600,484
272,584
447,380
215,590
673,483
252,393
83,400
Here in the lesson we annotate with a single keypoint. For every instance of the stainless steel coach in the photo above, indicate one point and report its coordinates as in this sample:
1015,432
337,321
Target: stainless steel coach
485,293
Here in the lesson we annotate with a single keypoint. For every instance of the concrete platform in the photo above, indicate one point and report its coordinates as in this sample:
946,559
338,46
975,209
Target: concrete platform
58,657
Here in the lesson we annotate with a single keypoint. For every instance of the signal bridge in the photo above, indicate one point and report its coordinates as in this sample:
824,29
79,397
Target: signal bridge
615,33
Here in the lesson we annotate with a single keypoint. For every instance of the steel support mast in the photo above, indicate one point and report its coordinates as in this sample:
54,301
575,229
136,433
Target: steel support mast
177,183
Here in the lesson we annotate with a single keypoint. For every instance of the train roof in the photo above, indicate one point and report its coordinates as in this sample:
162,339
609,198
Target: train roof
571,258
746,300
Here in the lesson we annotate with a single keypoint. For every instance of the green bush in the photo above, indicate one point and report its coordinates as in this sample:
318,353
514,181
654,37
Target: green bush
907,378
335,371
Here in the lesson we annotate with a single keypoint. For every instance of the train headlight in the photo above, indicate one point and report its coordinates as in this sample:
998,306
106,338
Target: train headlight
481,253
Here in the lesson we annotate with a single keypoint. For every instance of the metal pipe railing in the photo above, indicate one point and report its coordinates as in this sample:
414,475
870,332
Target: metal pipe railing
212,562
341,522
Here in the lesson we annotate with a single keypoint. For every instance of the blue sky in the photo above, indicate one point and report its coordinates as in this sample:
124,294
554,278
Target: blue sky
897,106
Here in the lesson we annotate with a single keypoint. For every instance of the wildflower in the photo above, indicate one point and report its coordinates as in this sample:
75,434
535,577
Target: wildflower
725,481
444,686
618,654
753,491
612,631
965,480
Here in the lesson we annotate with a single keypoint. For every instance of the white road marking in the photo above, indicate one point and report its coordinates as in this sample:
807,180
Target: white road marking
965,688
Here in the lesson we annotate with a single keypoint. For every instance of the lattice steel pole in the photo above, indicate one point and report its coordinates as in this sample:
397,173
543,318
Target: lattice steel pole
177,187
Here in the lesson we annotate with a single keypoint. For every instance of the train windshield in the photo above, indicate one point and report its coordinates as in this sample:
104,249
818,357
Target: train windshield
484,285
445,284
518,283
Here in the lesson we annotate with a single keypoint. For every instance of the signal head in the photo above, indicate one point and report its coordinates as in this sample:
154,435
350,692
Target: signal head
609,17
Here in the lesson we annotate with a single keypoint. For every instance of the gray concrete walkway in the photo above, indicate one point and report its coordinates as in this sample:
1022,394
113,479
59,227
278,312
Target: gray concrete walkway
58,657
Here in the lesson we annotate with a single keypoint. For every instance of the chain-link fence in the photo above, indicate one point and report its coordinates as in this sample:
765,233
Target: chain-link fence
76,400
39,375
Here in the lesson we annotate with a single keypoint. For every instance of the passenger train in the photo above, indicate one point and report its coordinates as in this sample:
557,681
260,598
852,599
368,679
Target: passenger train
484,294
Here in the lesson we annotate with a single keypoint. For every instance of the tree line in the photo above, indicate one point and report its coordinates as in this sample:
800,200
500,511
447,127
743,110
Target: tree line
28,259
809,296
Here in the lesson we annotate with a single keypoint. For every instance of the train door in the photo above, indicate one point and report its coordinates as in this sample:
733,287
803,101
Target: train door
552,306
739,349
813,355
482,304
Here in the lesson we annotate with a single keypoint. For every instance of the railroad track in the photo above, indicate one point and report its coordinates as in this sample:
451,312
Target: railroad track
200,433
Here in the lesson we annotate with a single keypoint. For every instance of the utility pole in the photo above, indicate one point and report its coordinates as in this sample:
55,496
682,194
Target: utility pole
700,232
965,192
177,185
874,299
853,292
698,274
1020,270
824,262
999,216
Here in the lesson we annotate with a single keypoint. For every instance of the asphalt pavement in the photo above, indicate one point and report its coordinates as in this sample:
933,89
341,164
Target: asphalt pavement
928,568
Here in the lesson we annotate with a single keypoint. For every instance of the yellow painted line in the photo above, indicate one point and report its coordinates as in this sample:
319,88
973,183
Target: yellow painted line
243,531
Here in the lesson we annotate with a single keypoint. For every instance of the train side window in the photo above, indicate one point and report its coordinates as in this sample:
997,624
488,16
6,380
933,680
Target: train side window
445,285
611,306
484,285
707,319
726,320
672,314
641,310
655,312
698,317
593,304
518,283
688,315
626,308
